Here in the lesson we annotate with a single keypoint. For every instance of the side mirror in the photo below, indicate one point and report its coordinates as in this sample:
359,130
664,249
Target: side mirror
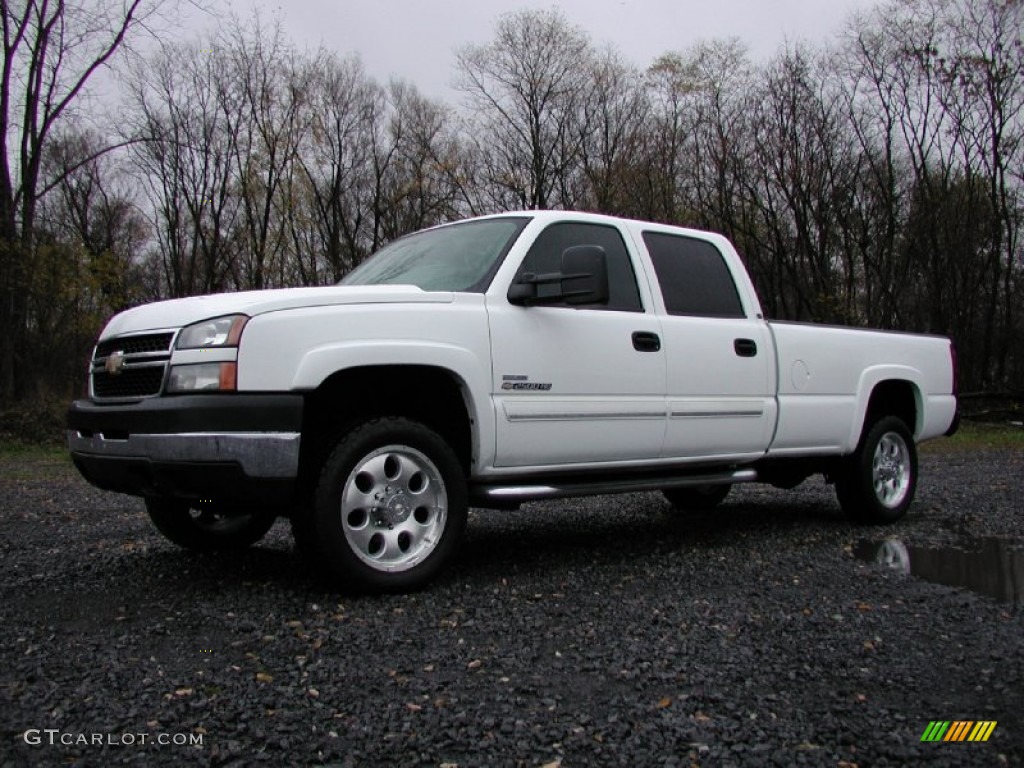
583,279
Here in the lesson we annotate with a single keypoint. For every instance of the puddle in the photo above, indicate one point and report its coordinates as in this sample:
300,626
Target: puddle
992,567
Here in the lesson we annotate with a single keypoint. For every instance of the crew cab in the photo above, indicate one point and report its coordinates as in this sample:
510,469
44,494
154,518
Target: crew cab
488,362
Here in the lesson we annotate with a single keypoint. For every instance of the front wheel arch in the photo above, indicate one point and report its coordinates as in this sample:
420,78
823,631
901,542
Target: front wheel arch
439,399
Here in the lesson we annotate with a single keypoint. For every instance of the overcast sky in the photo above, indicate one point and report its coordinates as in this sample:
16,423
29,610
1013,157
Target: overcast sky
416,39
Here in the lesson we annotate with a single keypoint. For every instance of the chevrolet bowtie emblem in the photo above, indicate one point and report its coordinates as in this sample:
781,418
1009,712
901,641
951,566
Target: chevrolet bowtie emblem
115,363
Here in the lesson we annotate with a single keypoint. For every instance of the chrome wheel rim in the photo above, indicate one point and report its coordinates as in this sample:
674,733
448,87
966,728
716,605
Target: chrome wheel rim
394,506
890,470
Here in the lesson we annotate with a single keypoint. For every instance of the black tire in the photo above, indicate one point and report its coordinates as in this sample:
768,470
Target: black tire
876,483
205,528
389,510
697,497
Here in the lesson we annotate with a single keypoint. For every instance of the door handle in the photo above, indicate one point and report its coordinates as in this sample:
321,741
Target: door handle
745,347
645,341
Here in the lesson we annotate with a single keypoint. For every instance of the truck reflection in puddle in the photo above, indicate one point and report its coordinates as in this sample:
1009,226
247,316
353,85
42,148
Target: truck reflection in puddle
990,566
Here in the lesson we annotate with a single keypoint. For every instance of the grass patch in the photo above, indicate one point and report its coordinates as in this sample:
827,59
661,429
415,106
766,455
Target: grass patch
19,462
976,436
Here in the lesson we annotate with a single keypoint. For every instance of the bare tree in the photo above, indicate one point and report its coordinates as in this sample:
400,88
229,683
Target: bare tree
416,163
186,134
864,70
985,103
51,51
879,182
614,113
327,233
527,89
803,183
83,265
934,96
696,134
272,88
657,187
92,207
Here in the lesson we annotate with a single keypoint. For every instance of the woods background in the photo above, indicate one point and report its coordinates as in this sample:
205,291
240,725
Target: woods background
876,180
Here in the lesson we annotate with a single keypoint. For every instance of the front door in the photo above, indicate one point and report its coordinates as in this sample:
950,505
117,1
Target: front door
577,385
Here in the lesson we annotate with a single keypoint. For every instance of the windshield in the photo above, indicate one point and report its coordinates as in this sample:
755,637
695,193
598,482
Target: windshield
458,257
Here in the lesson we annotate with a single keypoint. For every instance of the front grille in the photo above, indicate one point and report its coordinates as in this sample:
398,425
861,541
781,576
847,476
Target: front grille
142,372
134,345
132,382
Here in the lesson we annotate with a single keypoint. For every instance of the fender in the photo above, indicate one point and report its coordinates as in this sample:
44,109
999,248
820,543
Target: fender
869,379
465,367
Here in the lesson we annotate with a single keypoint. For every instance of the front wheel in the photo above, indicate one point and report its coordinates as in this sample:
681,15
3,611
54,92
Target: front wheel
207,528
876,484
390,507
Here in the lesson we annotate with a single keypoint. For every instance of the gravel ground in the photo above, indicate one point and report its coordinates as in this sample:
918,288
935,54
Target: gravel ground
605,631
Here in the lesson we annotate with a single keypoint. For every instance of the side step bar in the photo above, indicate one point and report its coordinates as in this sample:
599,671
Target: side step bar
504,496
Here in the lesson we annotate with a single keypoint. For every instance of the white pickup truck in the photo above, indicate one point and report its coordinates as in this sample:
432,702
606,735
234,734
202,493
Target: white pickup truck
488,362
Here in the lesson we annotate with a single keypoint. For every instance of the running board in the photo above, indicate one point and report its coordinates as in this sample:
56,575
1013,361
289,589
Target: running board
503,496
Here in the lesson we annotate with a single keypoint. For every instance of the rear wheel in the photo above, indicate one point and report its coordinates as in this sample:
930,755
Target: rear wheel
697,497
208,527
390,507
876,484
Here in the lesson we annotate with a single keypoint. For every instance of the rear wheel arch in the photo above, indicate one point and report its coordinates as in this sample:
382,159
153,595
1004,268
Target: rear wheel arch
876,482
892,397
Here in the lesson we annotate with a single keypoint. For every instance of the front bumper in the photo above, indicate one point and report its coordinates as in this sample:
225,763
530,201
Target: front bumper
233,448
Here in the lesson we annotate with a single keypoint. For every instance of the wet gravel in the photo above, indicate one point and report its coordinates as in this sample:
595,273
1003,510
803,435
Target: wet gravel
605,631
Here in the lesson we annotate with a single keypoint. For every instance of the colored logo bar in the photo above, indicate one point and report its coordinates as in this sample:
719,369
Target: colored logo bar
958,730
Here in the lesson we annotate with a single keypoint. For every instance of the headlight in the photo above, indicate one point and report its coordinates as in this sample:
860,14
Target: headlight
218,332
215,377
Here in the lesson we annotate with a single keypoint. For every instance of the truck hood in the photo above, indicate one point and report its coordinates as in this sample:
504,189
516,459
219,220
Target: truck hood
177,313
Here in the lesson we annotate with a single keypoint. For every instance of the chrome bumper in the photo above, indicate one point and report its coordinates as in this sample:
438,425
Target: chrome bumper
259,454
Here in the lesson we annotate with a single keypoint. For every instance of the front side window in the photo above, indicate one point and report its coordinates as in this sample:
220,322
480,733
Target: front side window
545,257
694,277
458,257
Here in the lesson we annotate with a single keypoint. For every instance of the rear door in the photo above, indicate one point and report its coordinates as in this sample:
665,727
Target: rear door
720,364
578,385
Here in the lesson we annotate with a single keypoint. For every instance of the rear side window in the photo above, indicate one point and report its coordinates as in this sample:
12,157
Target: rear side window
693,276
545,256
